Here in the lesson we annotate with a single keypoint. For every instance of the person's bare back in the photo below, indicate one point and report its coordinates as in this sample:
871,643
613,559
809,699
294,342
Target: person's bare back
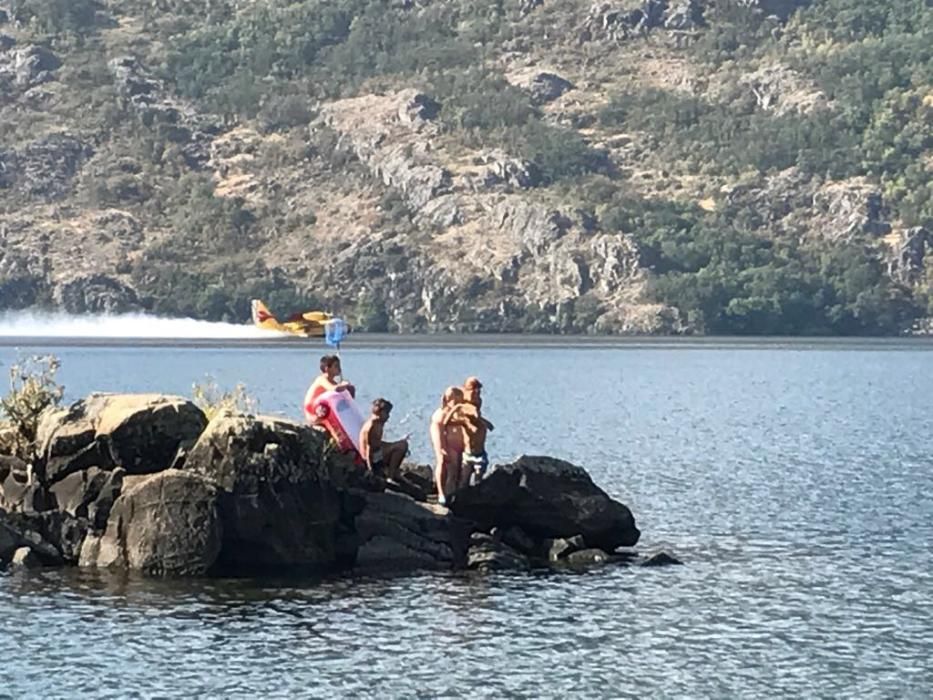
383,458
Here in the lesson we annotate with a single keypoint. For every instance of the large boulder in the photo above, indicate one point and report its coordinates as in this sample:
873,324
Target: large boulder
396,532
167,524
140,433
551,498
279,497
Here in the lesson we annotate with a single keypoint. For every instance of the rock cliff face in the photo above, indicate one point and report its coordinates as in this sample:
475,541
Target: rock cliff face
140,483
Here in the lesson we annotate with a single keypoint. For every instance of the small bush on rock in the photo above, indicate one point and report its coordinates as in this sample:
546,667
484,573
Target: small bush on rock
211,399
32,389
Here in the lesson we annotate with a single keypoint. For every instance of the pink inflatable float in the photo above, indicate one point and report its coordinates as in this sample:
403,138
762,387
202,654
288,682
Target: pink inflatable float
339,413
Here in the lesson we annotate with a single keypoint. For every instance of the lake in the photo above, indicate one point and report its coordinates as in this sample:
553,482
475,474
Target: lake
794,479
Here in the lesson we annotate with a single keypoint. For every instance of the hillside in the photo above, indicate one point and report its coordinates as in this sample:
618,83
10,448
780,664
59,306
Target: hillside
650,166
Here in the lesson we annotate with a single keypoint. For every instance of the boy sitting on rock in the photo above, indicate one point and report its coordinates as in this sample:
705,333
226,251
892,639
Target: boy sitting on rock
383,458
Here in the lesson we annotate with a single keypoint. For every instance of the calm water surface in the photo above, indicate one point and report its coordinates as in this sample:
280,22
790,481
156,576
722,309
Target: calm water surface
795,480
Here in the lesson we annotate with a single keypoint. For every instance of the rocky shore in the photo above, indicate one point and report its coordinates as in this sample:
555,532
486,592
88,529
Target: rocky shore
146,483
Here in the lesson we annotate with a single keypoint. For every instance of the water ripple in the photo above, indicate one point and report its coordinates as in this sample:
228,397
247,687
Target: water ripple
801,507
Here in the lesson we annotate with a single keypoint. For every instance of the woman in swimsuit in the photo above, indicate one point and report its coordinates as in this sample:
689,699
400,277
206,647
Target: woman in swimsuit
447,439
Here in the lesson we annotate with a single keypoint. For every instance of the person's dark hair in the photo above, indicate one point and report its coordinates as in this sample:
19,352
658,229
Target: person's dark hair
382,406
328,361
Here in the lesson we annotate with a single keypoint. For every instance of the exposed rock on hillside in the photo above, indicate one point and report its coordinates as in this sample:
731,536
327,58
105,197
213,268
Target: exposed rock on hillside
537,254
46,167
154,105
26,66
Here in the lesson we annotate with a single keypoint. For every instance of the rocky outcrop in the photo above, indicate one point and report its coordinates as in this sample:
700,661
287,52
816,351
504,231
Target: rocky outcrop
45,167
907,260
280,499
95,294
515,256
838,211
782,90
139,433
168,524
855,207
548,498
154,104
26,66
542,86
123,488
396,532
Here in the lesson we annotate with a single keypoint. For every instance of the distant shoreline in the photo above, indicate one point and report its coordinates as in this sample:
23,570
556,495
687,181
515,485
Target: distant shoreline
368,341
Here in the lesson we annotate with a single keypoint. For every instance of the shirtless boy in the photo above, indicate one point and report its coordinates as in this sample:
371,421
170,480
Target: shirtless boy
469,416
328,380
447,439
383,458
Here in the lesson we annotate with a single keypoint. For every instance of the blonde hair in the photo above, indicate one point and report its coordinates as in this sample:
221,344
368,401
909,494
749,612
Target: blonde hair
452,393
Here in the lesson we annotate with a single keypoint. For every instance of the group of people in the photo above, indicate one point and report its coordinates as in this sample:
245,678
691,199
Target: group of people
458,431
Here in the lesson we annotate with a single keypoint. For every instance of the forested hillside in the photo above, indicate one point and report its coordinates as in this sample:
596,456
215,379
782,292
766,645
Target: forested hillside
649,166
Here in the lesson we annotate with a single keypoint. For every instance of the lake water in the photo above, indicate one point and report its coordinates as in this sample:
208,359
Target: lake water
794,479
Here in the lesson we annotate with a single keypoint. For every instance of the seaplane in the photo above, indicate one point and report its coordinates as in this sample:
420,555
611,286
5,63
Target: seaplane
310,324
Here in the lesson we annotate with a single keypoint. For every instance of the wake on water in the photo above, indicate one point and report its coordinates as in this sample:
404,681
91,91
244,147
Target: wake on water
136,325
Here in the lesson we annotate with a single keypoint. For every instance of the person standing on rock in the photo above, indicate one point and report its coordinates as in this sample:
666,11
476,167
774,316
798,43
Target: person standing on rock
382,458
328,380
447,440
468,415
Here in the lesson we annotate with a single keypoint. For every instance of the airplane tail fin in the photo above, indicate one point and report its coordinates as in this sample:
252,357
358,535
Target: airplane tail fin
262,317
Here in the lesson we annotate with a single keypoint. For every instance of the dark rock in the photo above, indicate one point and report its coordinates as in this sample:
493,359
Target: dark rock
516,538
25,558
416,108
661,559
488,554
89,494
547,87
140,433
6,41
548,498
167,524
10,538
53,535
279,497
396,532
420,476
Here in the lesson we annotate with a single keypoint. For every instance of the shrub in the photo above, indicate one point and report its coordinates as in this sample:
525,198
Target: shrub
211,399
32,390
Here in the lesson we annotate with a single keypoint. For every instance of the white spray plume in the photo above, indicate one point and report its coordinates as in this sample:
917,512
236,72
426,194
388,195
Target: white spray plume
135,325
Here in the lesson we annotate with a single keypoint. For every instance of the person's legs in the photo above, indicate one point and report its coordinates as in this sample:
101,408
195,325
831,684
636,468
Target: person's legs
441,475
393,455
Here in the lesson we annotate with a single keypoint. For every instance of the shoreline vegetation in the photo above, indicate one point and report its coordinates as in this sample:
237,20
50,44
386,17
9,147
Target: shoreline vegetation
167,487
